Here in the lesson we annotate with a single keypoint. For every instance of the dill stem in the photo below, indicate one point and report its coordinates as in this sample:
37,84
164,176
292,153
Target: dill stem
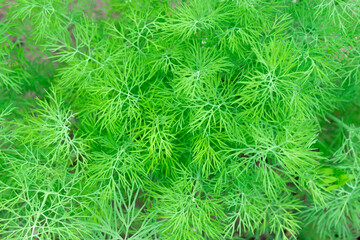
38,215
337,120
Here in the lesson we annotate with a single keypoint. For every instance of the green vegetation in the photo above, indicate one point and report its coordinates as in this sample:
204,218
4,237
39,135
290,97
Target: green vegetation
196,119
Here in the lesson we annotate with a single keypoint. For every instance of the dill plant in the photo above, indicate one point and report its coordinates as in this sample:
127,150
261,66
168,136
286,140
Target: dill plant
152,119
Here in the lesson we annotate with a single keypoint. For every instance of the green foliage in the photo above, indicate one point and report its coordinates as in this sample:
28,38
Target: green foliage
196,119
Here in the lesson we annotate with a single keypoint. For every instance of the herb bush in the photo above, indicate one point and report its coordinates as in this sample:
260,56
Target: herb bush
151,119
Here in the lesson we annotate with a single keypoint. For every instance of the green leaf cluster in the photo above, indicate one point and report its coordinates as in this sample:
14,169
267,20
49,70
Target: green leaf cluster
192,119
